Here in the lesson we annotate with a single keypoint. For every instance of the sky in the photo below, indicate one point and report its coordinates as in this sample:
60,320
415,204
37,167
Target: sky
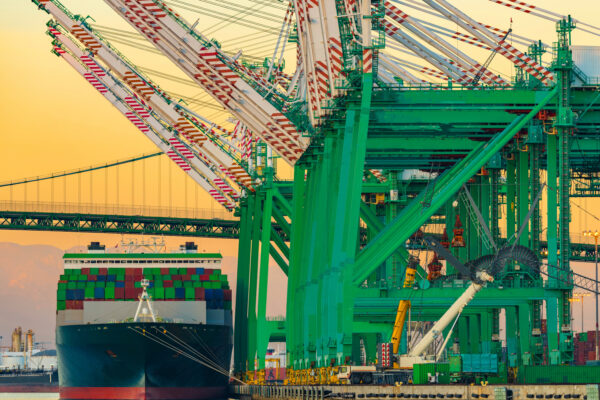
52,120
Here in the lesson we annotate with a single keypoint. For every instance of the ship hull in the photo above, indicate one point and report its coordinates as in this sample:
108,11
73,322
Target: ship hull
143,361
29,382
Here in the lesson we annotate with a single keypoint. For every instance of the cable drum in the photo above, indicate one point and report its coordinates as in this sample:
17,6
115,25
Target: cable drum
495,264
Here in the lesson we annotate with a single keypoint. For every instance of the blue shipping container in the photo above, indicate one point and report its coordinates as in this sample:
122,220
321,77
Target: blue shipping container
99,293
120,284
111,278
180,293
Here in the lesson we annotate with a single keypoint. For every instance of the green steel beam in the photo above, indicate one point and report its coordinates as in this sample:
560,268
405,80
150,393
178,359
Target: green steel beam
243,281
416,213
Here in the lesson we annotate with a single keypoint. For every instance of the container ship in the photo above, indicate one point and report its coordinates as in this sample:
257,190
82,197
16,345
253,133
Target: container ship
143,325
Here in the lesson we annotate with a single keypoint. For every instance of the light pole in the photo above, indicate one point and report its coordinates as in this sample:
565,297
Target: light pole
578,297
595,236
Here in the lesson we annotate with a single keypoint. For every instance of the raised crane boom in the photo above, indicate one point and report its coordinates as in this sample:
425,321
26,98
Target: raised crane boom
134,109
201,136
231,84
487,63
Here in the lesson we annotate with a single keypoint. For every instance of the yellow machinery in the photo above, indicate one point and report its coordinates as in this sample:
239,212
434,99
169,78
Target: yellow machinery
403,307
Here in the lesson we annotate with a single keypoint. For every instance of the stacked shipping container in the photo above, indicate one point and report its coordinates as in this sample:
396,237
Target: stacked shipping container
106,285
585,347
114,284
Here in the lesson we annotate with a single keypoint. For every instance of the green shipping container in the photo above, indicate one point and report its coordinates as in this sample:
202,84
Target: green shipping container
61,305
159,293
110,284
182,271
120,277
166,277
100,284
170,293
227,305
172,271
82,277
61,294
89,293
188,284
62,286
80,285
195,278
137,284
544,374
196,284
71,285
455,363
177,284
63,278
190,293
94,271
158,284
223,278
421,373
109,293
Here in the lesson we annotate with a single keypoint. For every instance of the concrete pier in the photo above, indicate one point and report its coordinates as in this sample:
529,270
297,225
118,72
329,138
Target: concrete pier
414,392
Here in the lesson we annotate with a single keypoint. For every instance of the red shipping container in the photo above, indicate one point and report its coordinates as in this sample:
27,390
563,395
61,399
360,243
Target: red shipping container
227,295
85,271
167,283
591,355
208,271
119,293
129,271
102,271
130,293
92,278
186,278
129,284
191,271
199,293
204,277
69,304
164,271
129,278
175,277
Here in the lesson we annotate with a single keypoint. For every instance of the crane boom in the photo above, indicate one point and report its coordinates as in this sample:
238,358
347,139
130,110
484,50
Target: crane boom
226,162
226,80
403,306
487,62
144,118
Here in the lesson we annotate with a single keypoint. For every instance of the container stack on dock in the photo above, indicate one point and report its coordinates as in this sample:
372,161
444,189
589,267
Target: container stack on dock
585,347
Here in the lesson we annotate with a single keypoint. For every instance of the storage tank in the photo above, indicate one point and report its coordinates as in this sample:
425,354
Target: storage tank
29,341
17,340
587,59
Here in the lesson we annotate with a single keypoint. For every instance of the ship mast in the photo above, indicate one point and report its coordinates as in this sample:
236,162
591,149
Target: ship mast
146,312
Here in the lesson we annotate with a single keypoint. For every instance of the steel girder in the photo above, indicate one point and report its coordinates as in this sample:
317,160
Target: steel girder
130,224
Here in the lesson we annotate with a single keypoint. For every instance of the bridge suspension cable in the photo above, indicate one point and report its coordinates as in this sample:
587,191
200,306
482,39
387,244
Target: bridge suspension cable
55,175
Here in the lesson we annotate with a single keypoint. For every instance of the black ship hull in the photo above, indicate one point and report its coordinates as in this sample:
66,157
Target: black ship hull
29,382
143,361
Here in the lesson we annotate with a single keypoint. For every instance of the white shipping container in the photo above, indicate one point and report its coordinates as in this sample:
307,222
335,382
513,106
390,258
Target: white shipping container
587,58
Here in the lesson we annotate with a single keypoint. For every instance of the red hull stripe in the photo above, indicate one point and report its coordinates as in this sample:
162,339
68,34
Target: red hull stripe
142,393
